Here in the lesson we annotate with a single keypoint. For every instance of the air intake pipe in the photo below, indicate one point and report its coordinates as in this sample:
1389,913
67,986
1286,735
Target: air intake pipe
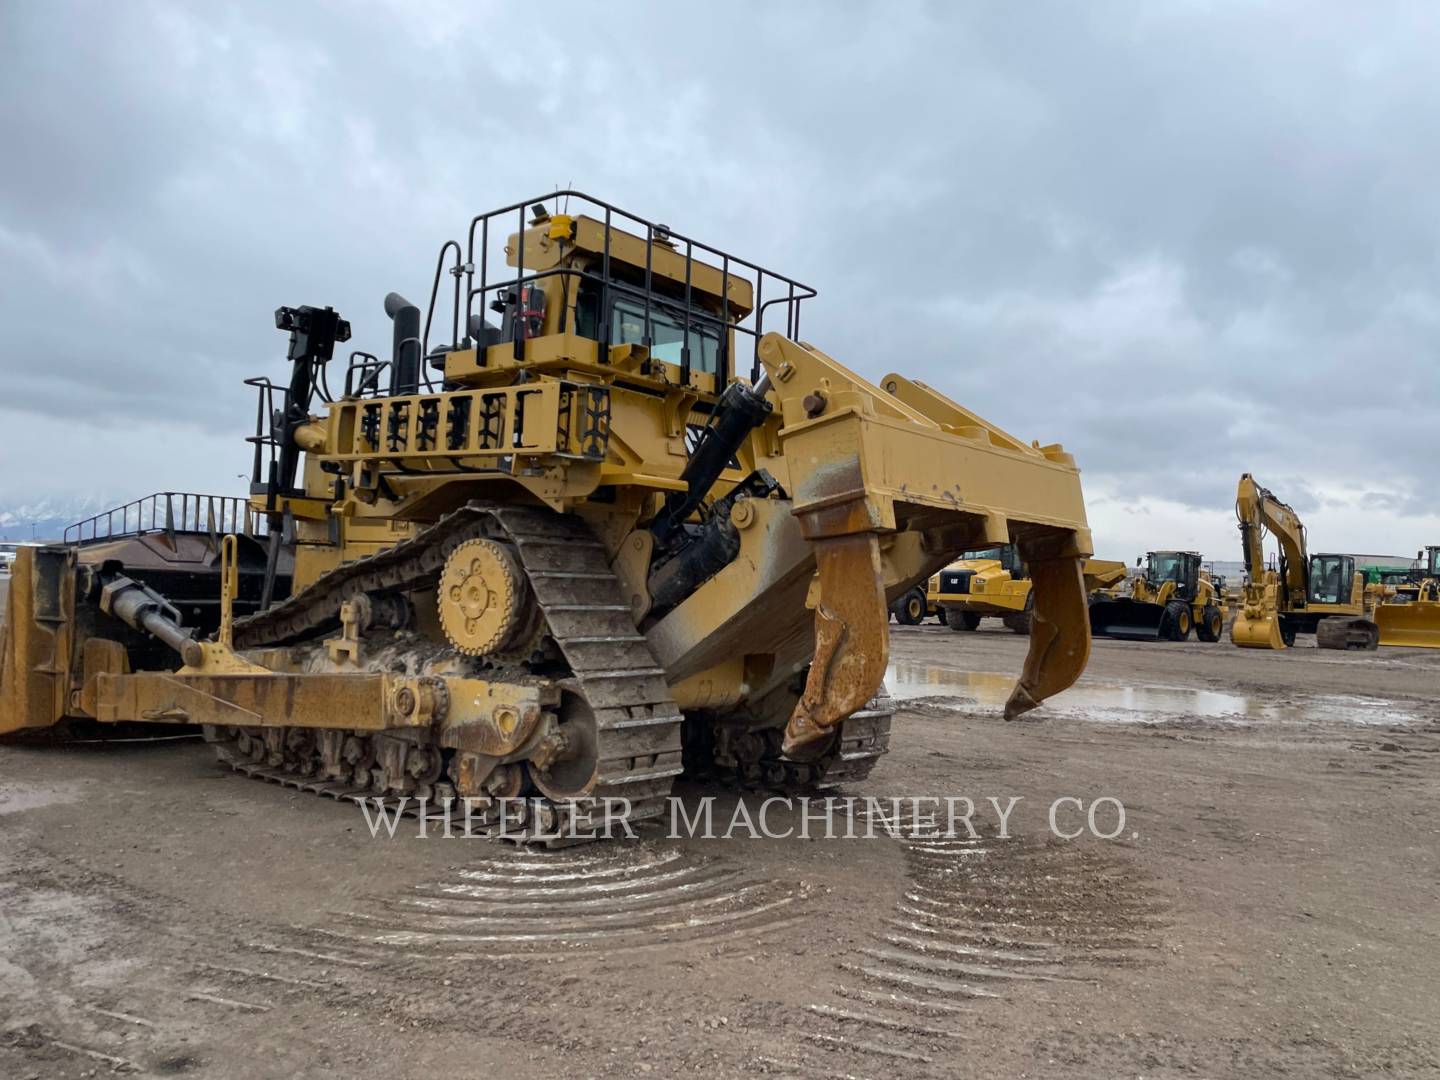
405,357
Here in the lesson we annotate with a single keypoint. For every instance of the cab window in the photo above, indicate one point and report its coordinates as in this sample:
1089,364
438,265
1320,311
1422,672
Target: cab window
1167,568
667,334
1329,583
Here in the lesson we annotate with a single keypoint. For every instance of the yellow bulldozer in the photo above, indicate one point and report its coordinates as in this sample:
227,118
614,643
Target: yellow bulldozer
1171,599
1410,616
1321,594
632,524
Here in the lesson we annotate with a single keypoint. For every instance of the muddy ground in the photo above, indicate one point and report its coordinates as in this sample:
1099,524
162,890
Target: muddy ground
1271,908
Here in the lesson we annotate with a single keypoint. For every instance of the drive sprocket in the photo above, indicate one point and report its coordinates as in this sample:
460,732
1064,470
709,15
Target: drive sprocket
482,597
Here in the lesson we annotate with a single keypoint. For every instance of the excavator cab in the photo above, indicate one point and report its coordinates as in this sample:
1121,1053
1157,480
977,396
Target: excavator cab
1331,579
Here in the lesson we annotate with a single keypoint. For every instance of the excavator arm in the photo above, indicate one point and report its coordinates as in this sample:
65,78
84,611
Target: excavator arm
1266,594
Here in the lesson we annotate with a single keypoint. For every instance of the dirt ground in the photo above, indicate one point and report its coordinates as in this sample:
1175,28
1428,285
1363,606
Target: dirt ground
1270,908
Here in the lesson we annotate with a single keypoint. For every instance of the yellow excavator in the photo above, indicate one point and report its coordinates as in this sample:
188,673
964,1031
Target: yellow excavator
1411,616
1172,598
1322,594
521,557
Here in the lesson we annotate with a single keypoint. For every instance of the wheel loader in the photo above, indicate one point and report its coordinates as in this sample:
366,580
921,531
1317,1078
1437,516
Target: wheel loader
1411,616
1173,598
608,517
1322,594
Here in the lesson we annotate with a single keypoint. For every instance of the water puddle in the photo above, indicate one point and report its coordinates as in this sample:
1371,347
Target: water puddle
908,681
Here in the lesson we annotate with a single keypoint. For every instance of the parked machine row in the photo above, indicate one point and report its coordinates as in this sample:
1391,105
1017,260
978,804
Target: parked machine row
1172,594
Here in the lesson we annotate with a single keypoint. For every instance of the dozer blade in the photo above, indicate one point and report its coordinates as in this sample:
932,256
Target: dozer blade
1254,631
31,649
1059,634
1123,617
1415,624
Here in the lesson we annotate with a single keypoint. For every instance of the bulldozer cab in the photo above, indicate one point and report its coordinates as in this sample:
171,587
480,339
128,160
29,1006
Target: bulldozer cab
1429,562
581,282
1180,567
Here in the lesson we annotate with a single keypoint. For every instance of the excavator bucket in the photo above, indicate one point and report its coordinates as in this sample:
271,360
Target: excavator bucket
1414,625
1123,617
1257,626
1257,632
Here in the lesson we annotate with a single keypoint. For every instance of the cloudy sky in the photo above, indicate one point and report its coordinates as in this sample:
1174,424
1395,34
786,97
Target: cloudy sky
1184,239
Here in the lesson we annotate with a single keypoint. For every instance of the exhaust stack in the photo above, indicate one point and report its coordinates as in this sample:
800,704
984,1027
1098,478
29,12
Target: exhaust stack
405,355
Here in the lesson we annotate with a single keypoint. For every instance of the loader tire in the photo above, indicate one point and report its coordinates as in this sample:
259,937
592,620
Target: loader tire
962,620
1178,621
1211,625
1018,621
910,611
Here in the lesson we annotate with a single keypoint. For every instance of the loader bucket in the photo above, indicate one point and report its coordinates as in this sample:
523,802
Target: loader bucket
1123,617
1415,624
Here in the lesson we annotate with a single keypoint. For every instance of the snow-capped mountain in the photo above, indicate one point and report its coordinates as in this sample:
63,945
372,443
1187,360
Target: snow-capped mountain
46,519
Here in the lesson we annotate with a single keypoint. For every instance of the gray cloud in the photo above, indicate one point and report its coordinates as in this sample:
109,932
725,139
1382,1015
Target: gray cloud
1185,240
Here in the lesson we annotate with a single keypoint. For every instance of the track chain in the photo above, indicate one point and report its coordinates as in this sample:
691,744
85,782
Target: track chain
758,764
637,720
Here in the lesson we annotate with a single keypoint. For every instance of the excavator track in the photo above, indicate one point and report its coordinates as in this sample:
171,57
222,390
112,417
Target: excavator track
1347,632
637,720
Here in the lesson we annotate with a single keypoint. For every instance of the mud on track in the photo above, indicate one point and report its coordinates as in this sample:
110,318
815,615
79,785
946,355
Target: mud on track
1274,912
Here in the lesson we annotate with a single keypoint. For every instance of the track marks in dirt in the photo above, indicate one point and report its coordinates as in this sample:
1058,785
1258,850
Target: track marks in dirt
520,902
984,924
1408,753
